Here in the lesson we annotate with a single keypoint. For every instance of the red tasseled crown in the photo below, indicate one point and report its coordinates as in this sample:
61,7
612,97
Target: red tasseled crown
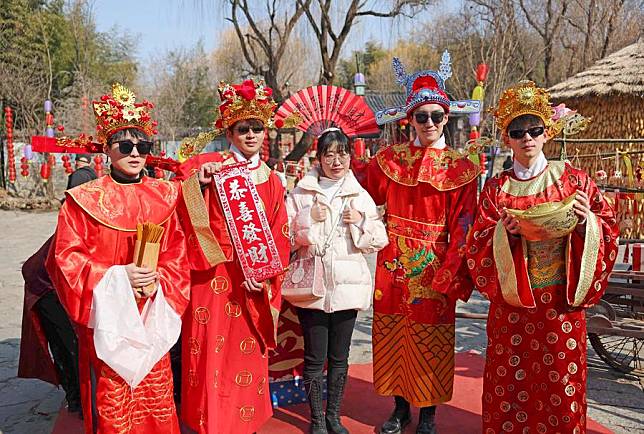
426,81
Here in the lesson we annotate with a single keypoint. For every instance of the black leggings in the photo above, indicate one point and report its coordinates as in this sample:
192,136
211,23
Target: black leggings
62,341
326,335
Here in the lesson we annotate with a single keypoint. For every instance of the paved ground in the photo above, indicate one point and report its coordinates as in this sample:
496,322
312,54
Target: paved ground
30,406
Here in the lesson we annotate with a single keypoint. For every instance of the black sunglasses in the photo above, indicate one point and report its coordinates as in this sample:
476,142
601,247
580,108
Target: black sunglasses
126,146
519,134
436,117
245,129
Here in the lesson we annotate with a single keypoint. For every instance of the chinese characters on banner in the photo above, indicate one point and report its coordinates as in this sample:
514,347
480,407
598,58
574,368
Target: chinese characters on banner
247,223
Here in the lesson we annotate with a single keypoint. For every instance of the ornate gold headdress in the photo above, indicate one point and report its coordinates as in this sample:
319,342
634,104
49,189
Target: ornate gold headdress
120,110
522,99
248,100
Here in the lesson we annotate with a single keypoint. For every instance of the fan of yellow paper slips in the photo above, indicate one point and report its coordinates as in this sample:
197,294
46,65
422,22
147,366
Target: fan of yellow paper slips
147,233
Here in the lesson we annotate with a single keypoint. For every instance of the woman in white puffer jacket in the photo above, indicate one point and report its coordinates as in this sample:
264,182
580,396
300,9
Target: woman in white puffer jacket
329,207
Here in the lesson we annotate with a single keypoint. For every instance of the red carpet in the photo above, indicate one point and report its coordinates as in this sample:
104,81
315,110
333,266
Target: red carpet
367,410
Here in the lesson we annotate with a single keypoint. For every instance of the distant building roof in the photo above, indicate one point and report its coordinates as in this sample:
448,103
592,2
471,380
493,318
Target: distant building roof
381,100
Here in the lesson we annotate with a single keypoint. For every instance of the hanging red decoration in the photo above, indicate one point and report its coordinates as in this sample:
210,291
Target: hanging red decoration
8,119
265,152
474,134
51,160
45,172
358,148
314,146
24,167
67,164
481,72
482,161
98,165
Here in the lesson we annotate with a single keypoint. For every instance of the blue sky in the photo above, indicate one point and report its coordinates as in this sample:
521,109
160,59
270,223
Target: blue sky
162,25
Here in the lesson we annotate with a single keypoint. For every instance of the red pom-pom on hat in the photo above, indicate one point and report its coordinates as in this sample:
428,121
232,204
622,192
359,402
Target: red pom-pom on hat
248,93
425,81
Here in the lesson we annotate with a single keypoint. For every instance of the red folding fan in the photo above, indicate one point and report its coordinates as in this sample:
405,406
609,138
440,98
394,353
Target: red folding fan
323,107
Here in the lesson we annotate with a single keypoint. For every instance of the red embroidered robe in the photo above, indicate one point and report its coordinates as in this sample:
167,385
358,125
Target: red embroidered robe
227,331
535,373
96,230
430,197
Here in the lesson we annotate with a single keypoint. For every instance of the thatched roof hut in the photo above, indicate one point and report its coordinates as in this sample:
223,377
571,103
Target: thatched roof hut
611,92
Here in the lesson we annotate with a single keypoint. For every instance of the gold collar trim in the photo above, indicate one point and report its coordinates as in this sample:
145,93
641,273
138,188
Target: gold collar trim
539,184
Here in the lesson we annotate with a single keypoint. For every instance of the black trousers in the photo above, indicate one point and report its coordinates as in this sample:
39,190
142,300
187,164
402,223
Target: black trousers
326,336
62,342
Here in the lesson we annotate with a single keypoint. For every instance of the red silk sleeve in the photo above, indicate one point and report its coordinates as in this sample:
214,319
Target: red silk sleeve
479,253
452,278
372,179
601,235
220,247
73,269
172,265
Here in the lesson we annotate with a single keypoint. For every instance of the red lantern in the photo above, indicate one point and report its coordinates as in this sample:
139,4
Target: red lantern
45,172
474,134
265,152
67,164
403,122
359,148
98,165
8,118
481,72
24,167
482,161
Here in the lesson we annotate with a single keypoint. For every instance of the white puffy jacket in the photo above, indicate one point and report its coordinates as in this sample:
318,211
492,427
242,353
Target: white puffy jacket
347,280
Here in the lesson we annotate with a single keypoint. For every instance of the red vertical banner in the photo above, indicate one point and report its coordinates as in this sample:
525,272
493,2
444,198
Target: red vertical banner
247,223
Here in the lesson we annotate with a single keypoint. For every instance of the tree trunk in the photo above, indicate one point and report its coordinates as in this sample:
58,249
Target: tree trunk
300,149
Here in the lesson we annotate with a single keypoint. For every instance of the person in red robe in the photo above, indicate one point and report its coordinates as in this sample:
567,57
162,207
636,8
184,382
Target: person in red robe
45,325
539,278
231,323
126,317
429,191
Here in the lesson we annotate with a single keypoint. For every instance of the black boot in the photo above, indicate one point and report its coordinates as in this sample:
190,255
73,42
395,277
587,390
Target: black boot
313,388
336,379
399,419
426,423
